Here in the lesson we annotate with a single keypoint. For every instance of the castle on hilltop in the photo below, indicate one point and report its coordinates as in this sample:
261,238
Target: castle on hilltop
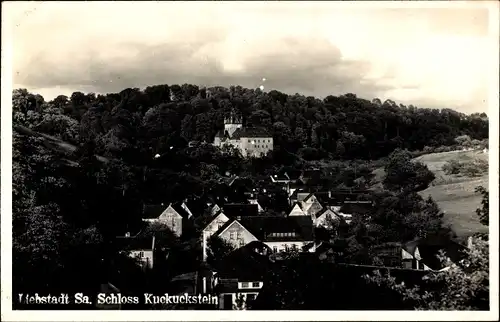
251,141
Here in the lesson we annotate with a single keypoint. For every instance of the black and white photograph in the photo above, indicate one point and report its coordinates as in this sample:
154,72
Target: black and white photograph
294,160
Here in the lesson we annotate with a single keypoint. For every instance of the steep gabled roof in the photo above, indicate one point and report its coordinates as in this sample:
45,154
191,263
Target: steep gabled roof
265,227
297,206
251,132
213,217
325,211
182,210
430,247
154,211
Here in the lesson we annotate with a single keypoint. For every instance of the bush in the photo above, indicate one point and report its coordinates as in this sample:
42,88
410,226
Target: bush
476,168
452,167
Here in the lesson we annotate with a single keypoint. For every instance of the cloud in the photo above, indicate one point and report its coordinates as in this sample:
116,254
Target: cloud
427,57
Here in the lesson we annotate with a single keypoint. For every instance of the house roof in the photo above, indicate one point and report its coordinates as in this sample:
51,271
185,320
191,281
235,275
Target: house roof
154,211
303,196
430,247
281,175
325,210
240,210
250,132
262,227
135,243
295,204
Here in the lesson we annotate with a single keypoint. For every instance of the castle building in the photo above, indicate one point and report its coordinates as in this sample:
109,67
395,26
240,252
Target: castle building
251,141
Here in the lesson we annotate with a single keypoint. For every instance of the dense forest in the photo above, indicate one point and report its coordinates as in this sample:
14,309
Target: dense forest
84,166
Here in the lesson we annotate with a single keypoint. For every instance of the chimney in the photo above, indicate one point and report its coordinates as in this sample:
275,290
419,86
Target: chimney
329,194
127,234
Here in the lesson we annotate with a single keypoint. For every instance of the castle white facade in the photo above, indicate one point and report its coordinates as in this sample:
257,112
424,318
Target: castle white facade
251,141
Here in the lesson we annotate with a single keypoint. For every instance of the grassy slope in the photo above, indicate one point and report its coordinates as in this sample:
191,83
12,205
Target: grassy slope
454,194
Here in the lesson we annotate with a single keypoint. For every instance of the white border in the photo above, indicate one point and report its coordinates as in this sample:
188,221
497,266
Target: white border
6,202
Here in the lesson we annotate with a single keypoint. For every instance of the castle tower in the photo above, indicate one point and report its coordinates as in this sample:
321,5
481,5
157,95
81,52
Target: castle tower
232,123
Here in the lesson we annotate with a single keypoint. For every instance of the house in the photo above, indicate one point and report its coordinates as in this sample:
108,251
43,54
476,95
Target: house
419,254
200,282
280,233
297,210
349,209
217,220
174,216
321,219
280,178
250,141
309,203
215,209
240,275
424,253
256,202
220,217
139,247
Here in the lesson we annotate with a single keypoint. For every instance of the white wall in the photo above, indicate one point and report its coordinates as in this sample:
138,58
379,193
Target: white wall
280,245
211,229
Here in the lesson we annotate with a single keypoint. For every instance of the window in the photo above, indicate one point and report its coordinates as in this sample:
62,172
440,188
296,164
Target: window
231,235
238,235
255,284
241,242
275,249
141,254
245,284
249,141
294,247
286,248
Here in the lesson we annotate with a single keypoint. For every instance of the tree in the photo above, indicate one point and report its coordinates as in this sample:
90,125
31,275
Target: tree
452,167
403,174
240,303
218,248
463,286
484,212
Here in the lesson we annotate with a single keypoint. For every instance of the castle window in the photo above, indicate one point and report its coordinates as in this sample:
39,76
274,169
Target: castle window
249,141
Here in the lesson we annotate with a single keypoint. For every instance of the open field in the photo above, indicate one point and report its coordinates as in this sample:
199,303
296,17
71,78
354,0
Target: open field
453,193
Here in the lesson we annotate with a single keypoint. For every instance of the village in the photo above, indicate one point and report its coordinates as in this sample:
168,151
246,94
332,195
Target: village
254,234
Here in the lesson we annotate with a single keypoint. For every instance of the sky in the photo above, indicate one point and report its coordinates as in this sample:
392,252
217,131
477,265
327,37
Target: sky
436,57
